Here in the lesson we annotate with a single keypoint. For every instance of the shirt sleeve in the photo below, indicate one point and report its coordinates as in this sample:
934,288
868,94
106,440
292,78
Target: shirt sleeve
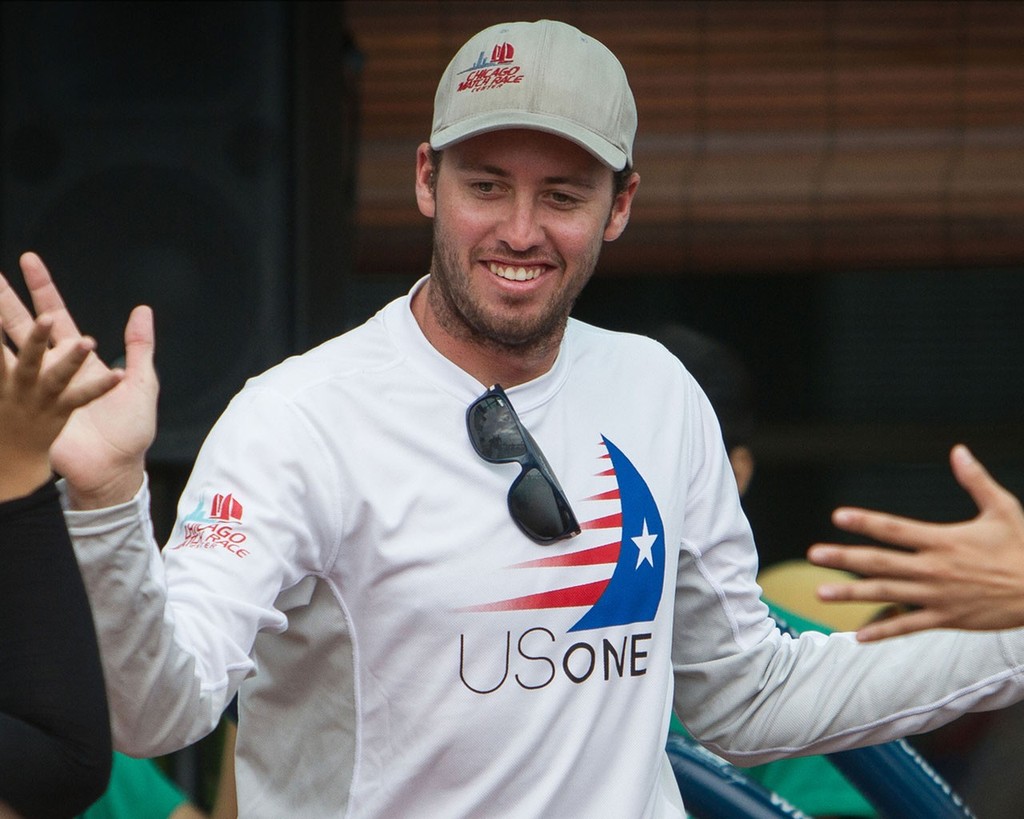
55,746
177,625
752,694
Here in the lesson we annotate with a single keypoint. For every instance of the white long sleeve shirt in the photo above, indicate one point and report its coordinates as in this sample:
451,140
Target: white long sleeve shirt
345,557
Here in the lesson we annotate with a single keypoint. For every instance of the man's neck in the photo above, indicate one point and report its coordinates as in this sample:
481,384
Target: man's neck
489,363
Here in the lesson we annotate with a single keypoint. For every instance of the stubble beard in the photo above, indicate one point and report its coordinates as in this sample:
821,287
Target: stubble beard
460,315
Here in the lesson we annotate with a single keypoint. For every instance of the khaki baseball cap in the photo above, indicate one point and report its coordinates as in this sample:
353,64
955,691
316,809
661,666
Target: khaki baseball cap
544,76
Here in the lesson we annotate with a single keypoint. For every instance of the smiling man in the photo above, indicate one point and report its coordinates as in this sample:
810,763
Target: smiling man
456,562
519,219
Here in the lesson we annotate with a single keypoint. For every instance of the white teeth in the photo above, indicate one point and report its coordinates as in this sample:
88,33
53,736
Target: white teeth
516,274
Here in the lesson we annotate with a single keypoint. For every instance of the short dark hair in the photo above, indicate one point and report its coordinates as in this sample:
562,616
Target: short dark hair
720,373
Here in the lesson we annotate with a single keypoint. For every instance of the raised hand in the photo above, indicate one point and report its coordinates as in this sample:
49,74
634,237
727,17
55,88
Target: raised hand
967,575
101,450
36,401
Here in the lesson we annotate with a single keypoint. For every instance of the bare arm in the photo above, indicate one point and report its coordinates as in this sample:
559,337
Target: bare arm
967,575
225,802
186,810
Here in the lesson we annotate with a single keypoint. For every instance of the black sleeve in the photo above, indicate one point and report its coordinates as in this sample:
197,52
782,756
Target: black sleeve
55,746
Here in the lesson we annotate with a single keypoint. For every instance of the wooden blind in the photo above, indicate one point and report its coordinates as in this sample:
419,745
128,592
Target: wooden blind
773,136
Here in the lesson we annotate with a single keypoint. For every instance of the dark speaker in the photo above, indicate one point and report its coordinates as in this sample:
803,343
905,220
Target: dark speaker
168,154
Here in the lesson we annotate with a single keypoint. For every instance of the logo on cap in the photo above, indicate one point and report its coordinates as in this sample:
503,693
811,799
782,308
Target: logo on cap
495,72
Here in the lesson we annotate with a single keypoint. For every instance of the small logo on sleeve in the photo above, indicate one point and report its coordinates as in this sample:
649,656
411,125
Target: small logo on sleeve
214,525
225,507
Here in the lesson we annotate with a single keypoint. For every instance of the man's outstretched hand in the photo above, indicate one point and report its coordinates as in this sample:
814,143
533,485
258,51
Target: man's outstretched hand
101,450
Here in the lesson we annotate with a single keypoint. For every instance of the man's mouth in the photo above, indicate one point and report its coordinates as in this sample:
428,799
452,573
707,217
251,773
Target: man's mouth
514,273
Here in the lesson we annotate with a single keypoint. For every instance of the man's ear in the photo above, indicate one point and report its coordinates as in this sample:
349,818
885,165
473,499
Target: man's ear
621,205
742,460
425,181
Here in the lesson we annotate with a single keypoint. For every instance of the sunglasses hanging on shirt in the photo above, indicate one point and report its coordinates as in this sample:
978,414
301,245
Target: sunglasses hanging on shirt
536,501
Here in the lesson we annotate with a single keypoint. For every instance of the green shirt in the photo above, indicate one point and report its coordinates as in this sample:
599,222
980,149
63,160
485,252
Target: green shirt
138,789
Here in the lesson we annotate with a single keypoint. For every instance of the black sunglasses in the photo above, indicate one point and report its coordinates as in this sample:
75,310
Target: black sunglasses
535,500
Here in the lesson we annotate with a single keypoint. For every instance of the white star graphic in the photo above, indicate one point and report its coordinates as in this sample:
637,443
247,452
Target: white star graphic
644,543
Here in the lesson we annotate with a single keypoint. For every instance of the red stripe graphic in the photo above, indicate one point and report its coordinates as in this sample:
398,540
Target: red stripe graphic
608,522
611,494
585,595
587,557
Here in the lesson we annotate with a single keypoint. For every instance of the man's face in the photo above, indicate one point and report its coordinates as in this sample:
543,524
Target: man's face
519,218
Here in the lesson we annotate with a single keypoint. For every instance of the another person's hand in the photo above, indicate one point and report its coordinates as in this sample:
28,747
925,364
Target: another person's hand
38,392
967,575
101,450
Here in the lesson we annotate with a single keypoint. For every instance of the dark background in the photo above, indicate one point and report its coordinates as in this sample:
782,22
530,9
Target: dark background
834,189
247,169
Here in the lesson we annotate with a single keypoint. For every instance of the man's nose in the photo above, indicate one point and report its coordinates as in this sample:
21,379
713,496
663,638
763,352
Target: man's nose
521,228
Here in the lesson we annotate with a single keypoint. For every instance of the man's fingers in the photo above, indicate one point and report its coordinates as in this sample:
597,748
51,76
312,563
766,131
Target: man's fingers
907,592
68,359
862,560
17,319
56,380
30,354
139,328
887,528
80,394
139,342
38,339
46,297
8,361
898,624
976,480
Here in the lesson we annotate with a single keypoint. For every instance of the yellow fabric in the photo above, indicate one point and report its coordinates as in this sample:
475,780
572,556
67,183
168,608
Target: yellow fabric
793,584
